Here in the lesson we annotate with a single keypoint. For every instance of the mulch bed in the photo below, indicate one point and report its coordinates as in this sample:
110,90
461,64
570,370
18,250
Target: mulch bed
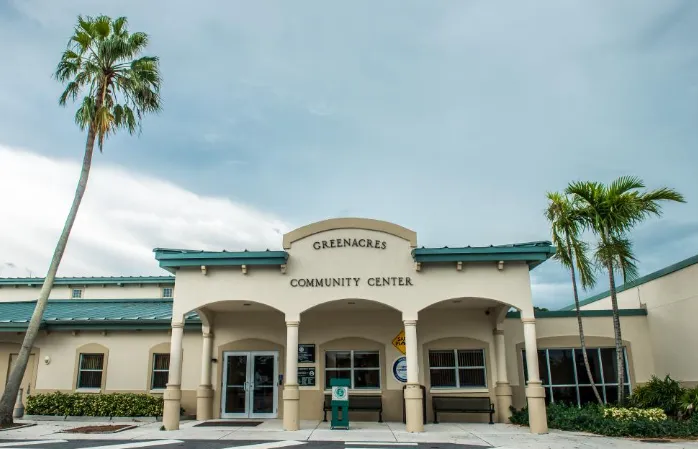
99,429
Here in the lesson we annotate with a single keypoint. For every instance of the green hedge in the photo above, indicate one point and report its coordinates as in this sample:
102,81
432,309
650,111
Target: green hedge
80,404
610,422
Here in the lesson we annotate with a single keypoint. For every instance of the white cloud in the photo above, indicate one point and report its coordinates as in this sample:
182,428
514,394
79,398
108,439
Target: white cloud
123,216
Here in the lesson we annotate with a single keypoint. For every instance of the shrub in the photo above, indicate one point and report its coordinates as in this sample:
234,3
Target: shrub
689,402
77,404
665,394
613,421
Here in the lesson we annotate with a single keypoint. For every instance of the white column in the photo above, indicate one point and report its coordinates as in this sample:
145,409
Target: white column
503,390
291,391
173,394
413,393
204,394
535,393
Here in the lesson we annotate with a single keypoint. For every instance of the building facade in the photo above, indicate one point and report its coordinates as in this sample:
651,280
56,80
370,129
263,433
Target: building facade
260,334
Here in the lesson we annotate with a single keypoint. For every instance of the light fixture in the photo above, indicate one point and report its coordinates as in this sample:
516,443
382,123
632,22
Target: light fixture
456,301
246,304
47,360
351,302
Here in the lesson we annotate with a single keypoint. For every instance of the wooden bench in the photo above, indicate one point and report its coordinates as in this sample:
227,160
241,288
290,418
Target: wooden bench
358,403
455,404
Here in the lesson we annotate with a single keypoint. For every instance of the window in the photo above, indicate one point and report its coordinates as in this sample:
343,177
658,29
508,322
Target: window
361,367
457,368
77,293
90,370
161,366
167,292
565,377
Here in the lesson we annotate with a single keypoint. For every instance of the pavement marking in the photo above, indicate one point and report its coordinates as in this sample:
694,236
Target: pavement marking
270,445
135,444
372,443
28,443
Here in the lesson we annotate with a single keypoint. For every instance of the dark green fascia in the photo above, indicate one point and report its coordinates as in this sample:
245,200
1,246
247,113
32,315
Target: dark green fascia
100,326
584,313
170,259
533,253
116,280
639,281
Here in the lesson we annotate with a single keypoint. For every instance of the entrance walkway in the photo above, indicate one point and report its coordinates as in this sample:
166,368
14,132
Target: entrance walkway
314,434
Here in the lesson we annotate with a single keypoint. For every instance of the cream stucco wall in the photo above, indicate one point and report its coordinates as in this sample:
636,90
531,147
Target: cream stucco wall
672,305
25,293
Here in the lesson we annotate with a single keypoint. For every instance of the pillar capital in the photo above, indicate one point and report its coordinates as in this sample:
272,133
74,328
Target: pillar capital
177,325
498,332
410,322
293,323
528,320
207,334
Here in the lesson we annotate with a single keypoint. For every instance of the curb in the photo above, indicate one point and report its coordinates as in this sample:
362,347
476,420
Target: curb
145,419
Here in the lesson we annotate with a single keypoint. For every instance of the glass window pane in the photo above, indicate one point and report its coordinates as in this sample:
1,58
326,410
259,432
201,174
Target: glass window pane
566,395
438,359
471,358
472,377
91,361
90,379
160,379
338,359
611,395
332,374
367,378
561,367
587,396
582,375
443,377
610,367
366,360
161,362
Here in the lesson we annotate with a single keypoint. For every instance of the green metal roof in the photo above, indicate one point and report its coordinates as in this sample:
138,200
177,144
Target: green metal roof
170,259
639,281
116,280
533,253
69,314
585,313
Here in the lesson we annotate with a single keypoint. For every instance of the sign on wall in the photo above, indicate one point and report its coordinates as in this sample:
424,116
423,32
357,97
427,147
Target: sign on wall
306,353
399,341
400,369
306,376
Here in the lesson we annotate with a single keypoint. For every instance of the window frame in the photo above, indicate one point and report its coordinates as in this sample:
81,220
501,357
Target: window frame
171,289
72,293
601,386
352,369
81,370
153,370
457,369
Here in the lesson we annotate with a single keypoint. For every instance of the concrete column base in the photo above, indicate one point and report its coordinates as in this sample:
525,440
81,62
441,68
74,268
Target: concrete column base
537,416
171,408
413,408
292,408
204,402
504,401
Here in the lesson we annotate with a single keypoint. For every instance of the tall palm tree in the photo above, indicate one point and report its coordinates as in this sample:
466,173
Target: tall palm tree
611,212
571,251
103,58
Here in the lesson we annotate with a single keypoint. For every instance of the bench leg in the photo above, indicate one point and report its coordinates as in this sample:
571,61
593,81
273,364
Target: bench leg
491,421
436,421
324,412
380,415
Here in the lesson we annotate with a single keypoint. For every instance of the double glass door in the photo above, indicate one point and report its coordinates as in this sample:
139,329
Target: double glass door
250,385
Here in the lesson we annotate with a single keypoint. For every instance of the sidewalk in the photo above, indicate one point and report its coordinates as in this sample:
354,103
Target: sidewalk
498,435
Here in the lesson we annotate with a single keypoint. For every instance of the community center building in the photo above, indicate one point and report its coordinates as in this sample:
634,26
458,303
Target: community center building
261,334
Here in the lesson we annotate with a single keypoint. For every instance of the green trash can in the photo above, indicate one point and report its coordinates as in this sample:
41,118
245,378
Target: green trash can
340,403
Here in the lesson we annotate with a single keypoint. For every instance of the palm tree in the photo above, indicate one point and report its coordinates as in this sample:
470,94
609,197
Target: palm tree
611,212
572,251
103,58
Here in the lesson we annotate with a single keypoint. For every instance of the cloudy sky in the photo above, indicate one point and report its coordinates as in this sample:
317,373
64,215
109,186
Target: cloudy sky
452,118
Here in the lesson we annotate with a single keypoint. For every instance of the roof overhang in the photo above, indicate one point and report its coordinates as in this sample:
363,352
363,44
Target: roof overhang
104,280
171,259
533,253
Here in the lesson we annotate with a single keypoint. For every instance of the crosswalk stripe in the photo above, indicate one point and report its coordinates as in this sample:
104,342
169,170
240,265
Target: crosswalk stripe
135,444
29,443
270,445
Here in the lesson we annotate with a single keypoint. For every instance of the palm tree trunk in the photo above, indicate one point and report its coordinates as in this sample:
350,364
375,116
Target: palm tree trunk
14,380
582,340
616,330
